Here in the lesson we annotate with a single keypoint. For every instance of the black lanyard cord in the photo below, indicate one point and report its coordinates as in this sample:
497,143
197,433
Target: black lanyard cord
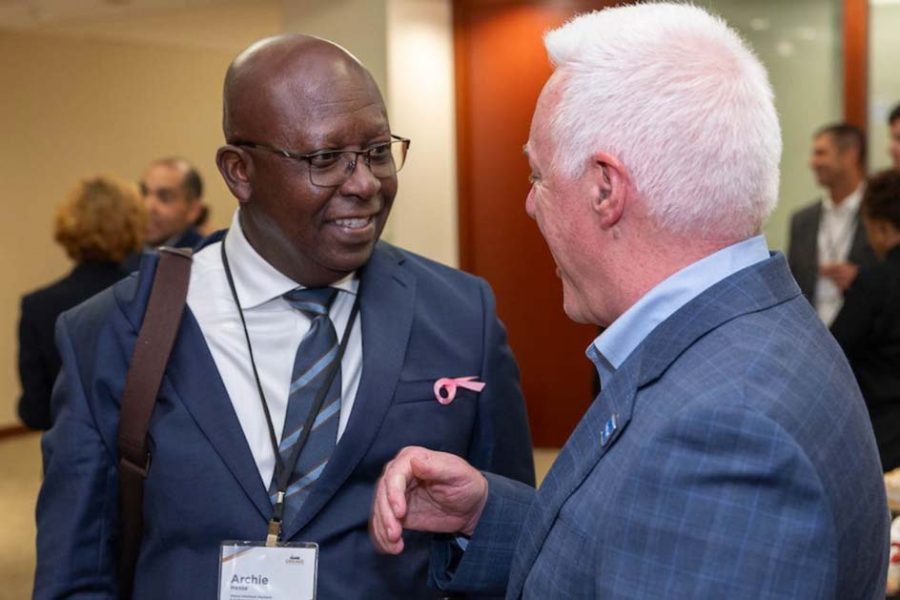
282,472
279,464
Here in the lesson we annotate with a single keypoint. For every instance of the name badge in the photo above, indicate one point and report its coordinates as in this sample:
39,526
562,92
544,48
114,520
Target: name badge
254,571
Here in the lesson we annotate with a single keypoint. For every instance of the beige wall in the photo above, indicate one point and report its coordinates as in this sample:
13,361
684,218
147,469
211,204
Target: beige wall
360,26
74,106
884,77
799,42
422,107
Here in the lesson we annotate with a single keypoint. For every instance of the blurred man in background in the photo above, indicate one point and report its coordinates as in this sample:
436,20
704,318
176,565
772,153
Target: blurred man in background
827,242
172,192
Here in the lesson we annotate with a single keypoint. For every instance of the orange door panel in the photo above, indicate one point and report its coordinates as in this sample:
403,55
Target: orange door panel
500,69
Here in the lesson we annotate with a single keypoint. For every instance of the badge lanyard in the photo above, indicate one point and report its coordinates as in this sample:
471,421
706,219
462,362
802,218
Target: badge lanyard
283,471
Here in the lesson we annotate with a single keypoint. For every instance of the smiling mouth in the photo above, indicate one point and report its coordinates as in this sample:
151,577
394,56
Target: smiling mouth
354,222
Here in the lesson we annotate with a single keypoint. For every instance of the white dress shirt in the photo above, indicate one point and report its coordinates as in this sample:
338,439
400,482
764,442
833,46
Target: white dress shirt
836,229
275,329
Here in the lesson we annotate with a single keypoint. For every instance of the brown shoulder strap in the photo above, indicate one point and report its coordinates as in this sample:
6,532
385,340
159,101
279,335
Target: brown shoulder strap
151,354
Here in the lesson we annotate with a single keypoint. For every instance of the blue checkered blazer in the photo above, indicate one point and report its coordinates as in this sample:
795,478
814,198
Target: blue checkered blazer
741,465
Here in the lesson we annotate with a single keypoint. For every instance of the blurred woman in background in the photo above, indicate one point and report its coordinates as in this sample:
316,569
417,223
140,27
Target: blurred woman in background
99,223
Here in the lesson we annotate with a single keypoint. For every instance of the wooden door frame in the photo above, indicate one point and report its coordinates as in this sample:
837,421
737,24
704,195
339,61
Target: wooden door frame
856,62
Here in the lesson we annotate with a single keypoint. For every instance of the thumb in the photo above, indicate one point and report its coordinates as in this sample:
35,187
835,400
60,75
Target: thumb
428,468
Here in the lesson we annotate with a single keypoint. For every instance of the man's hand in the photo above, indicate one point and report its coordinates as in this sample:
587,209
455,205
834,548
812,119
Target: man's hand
426,491
842,274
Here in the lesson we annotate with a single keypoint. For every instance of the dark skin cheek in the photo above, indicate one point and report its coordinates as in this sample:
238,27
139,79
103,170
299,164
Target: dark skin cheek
284,250
268,239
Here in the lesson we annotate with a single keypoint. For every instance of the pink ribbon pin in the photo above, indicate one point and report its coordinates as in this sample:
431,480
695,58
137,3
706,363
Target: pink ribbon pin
445,388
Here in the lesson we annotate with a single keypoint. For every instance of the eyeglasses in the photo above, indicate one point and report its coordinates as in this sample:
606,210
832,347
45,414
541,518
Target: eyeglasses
331,168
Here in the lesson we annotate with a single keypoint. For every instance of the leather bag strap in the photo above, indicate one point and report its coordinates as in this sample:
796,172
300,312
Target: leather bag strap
142,383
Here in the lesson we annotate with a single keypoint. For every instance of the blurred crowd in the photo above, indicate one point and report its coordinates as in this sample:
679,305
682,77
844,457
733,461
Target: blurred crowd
844,252
104,224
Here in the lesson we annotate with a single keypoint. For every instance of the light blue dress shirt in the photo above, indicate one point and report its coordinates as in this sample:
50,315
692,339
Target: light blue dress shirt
610,349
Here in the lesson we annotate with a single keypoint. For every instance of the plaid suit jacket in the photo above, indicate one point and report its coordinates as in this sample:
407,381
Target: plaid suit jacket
730,456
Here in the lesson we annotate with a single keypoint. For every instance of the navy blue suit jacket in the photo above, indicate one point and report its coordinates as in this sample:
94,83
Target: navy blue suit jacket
420,321
741,465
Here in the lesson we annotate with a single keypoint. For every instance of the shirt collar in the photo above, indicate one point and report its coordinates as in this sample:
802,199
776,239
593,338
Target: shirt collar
850,205
258,282
610,349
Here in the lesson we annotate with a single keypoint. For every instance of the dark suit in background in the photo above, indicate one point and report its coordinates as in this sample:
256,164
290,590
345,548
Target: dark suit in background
189,239
803,248
868,329
38,358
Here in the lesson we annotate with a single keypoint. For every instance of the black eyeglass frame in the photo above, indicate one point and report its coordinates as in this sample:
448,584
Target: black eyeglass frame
366,153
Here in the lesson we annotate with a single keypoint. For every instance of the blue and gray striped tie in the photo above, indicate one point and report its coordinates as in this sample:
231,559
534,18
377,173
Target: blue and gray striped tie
315,356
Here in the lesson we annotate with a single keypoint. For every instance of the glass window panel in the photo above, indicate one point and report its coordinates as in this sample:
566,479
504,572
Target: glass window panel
884,76
800,44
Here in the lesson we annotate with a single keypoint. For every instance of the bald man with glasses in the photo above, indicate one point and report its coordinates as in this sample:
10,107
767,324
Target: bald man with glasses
309,353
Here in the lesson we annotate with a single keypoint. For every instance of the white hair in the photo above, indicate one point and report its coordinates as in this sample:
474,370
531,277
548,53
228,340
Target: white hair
682,102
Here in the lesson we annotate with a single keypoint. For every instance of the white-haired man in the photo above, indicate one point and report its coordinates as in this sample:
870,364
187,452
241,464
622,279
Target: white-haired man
729,454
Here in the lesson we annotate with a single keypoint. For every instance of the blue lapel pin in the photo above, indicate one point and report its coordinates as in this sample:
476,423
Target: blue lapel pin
608,430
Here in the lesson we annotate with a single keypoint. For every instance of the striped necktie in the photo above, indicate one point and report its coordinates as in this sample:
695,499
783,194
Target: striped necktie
315,356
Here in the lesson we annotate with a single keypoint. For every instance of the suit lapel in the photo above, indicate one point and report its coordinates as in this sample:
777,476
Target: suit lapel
812,245
594,435
387,300
193,376
754,288
196,381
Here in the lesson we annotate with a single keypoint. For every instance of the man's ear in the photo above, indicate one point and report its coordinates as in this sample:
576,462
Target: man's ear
236,168
610,183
